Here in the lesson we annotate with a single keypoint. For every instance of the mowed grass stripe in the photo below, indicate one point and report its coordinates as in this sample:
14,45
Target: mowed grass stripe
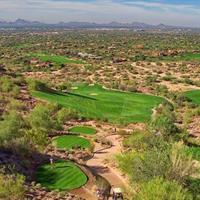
64,175
113,106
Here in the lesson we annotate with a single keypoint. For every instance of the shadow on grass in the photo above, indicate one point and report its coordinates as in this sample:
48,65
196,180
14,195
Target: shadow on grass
52,91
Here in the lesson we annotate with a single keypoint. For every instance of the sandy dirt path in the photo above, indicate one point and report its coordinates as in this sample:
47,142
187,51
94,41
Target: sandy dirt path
98,165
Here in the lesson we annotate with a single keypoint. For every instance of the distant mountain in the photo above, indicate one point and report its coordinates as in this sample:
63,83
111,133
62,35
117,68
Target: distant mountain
21,23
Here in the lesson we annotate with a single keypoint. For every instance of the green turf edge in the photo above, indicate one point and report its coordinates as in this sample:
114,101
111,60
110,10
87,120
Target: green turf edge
57,59
88,130
82,113
193,95
67,142
49,177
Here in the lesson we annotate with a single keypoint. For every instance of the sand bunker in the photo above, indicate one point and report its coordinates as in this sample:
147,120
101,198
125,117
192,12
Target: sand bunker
93,94
74,88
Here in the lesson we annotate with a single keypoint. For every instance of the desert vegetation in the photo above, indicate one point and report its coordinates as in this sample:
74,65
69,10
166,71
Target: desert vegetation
99,109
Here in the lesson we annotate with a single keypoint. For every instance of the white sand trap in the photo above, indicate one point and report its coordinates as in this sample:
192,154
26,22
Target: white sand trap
91,84
93,94
74,88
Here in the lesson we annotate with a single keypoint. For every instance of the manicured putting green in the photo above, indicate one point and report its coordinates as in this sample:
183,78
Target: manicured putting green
113,106
56,59
63,175
82,130
68,142
194,96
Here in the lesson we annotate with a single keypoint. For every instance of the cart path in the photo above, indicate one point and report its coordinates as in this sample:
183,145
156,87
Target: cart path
97,163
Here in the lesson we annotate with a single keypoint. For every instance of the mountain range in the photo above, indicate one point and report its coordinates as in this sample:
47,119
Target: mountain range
21,23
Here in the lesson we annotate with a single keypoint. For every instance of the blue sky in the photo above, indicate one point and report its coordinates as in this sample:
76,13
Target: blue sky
174,12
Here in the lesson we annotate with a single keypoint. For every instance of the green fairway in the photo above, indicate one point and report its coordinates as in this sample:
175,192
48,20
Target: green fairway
194,96
190,57
63,175
56,59
82,130
68,142
95,102
184,57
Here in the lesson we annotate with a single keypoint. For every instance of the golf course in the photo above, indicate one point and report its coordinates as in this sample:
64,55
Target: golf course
57,59
68,142
62,175
194,96
96,102
82,130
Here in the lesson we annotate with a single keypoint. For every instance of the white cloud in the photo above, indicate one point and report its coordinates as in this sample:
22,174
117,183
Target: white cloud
100,11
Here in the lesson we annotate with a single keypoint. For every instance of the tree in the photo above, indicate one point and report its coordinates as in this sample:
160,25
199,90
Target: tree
160,189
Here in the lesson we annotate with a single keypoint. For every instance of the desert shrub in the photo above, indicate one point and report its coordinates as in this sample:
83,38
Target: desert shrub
188,81
168,78
36,85
36,138
144,166
180,100
11,186
10,126
6,84
64,86
163,122
182,165
39,118
143,141
193,186
161,90
193,141
15,105
65,114
161,160
151,79
160,189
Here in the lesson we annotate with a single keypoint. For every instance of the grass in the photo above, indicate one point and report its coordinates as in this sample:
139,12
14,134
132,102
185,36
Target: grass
82,130
181,57
194,96
68,142
56,59
95,102
194,152
63,175
190,57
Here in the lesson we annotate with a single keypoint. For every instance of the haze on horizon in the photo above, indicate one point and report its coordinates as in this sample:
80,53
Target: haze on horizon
171,12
